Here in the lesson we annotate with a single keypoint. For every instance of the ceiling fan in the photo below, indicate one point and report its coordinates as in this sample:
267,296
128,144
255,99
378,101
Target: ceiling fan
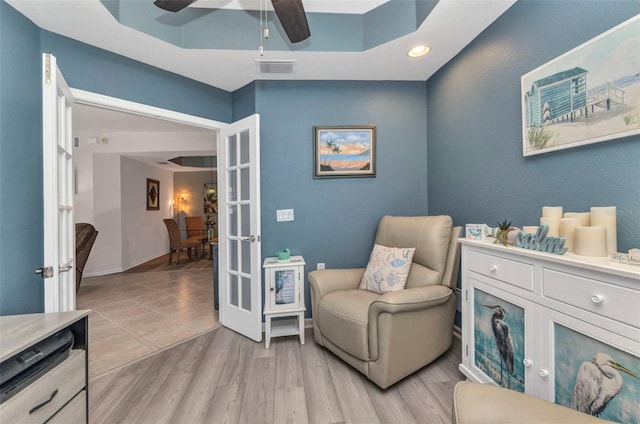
289,12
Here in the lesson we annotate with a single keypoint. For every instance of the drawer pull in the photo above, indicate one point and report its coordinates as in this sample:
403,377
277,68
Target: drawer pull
35,408
493,268
543,373
597,298
527,362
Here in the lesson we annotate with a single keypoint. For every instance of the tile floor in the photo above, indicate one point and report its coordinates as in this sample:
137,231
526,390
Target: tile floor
134,315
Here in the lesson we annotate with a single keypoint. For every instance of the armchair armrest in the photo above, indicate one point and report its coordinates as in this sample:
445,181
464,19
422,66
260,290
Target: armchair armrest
475,403
325,281
409,300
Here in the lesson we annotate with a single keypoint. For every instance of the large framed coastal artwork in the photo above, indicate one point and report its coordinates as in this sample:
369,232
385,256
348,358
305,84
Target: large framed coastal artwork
344,151
587,95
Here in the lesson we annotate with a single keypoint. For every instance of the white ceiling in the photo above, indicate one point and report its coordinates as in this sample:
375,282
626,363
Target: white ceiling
95,122
450,26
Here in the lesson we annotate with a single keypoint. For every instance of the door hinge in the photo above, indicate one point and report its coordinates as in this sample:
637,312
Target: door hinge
45,272
47,70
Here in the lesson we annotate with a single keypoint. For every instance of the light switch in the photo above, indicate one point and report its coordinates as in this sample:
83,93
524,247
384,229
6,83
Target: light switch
284,215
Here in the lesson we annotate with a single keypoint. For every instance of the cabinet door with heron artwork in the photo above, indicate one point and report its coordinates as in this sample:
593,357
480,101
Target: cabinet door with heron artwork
500,323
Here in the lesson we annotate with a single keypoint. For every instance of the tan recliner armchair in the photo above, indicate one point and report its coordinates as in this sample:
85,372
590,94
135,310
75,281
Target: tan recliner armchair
387,337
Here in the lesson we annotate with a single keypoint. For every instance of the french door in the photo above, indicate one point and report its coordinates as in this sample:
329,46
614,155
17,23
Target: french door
58,271
240,272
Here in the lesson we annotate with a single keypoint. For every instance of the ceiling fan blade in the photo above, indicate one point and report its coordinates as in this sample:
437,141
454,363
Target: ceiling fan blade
293,19
173,5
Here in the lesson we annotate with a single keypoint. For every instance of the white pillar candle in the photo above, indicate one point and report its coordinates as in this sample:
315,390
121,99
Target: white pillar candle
606,217
552,212
530,229
554,225
585,217
591,241
568,230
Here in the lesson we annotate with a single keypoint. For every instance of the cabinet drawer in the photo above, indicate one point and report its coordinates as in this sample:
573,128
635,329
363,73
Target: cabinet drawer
74,412
617,303
67,379
516,273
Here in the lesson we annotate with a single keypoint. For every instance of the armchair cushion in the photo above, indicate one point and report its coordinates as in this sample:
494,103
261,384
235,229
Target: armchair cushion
343,316
388,269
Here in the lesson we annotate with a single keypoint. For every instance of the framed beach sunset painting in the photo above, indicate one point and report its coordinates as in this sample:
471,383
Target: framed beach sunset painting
344,151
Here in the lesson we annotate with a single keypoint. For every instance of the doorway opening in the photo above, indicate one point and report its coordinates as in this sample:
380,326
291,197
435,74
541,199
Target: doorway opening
119,145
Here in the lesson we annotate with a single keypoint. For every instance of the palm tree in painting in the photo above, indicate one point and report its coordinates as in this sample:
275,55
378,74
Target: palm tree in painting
336,149
330,145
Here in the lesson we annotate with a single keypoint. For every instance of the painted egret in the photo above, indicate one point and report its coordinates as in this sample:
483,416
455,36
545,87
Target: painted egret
598,381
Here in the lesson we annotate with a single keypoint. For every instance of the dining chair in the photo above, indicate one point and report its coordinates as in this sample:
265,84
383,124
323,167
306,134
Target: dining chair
177,244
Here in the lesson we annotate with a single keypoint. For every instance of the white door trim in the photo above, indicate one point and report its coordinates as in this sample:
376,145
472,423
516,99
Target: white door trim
121,105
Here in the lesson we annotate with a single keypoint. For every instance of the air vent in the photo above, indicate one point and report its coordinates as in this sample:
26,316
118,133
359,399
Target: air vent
276,66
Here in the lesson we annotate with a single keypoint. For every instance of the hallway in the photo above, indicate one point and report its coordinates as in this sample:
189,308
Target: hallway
137,314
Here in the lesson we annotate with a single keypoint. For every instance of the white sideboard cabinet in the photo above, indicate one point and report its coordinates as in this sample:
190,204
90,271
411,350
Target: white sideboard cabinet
553,325
58,395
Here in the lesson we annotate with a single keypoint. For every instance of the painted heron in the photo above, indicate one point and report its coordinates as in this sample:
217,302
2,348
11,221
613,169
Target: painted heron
503,340
598,381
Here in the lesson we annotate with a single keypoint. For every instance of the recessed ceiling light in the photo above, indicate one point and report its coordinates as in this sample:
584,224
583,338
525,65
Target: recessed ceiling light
418,51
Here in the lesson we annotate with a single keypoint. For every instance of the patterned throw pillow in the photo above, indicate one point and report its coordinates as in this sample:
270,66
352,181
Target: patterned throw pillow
387,270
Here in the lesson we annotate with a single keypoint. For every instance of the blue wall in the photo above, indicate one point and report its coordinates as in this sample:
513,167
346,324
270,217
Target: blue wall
476,169
21,291
244,102
99,71
336,219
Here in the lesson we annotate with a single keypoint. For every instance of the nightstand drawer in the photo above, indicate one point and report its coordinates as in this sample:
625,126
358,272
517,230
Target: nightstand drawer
52,391
73,412
617,303
516,273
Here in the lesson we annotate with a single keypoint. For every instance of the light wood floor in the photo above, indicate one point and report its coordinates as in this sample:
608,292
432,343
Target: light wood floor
222,377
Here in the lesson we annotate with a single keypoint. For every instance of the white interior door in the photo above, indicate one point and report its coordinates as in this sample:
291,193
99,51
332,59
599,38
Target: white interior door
240,272
57,167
